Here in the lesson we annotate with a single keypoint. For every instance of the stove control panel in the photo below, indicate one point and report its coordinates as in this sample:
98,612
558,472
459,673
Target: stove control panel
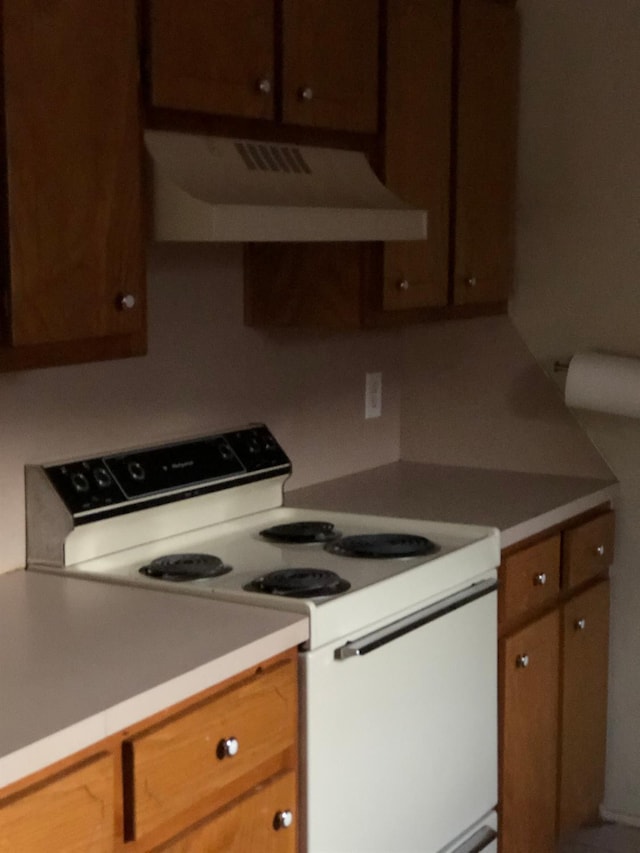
106,485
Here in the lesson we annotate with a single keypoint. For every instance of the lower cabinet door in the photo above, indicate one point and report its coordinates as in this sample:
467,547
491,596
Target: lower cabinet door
585,643
264,822
529,673
73,812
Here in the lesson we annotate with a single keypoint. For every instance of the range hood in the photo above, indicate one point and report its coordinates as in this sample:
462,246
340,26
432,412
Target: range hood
213,189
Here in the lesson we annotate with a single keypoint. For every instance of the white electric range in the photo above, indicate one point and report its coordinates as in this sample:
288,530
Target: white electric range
399,675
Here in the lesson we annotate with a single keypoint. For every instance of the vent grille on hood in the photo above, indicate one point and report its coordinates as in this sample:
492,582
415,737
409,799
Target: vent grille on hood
222,190
273,158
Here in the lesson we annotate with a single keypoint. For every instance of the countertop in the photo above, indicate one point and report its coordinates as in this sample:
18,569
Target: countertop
81,660
518,504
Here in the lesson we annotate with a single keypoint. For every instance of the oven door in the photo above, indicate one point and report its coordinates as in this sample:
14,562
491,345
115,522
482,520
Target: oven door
399,731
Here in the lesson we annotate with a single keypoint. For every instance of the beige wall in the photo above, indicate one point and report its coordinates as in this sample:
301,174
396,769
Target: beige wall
204,371
577,274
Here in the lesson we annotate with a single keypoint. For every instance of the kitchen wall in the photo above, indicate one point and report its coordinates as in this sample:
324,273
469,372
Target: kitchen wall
205,371
577,275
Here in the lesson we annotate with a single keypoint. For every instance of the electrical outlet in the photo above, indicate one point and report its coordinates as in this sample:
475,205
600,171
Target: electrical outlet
372,395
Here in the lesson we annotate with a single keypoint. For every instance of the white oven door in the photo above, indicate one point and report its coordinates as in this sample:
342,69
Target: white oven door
399,731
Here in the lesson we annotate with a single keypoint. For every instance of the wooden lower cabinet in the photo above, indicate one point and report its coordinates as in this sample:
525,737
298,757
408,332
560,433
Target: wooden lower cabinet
259,822
583,726
72,811
217,772
529,703
554,638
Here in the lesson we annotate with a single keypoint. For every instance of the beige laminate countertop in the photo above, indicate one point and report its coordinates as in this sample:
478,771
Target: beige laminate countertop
518,504
81,660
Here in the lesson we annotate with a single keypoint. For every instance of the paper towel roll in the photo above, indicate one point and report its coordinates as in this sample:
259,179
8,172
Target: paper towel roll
604,383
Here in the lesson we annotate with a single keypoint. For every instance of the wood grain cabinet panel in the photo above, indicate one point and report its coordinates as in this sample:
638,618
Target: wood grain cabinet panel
587,550
485,151
330,64
529,579
73,811
255,823
215,57
530,661
418,147
73,138
583,725
183,761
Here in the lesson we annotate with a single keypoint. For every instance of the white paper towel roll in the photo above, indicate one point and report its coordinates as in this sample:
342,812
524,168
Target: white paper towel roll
604,383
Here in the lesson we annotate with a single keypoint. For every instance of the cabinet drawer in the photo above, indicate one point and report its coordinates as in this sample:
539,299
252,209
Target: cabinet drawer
587,550
254,823
181,762
529,579
72,812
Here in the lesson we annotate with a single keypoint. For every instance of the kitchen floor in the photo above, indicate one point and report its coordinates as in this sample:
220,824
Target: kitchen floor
608,838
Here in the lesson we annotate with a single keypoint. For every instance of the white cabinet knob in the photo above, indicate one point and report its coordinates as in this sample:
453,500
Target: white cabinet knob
404,284
227,748
472,281
283,820
522,661
600,550
264,86
540,579
306,93
126,301
580,624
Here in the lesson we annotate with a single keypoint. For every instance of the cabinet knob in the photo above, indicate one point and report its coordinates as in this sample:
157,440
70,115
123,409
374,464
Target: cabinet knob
283,820
264,86
404,284
522,661
580,624
600,550
540,579
227,748
305,93
471,281
126,301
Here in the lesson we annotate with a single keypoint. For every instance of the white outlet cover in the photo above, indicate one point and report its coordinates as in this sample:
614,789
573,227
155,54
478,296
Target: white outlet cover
373,395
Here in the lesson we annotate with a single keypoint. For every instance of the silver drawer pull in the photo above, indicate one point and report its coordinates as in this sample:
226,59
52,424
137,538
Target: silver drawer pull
227,748
540,579
522,661
600,550
580,624
283,820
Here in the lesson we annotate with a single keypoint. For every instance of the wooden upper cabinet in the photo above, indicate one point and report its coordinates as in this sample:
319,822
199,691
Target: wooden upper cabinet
417,147
74,266
485,150
214,57
330,64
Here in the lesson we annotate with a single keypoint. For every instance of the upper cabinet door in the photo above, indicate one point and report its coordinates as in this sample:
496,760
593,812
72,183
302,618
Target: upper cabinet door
214,56
330,64
71,114
417,147
485,150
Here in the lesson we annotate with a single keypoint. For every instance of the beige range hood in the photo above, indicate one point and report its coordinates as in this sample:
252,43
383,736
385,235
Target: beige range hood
213,189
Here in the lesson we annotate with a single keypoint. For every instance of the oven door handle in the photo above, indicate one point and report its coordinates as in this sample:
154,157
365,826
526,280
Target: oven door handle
376,639
480,840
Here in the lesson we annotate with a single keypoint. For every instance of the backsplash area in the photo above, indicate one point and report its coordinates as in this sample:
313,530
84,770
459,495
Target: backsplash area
204,371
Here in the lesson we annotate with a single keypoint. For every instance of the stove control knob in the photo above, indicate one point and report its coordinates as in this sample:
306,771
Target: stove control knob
227,748
80,482
102,478
283,820
136,471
